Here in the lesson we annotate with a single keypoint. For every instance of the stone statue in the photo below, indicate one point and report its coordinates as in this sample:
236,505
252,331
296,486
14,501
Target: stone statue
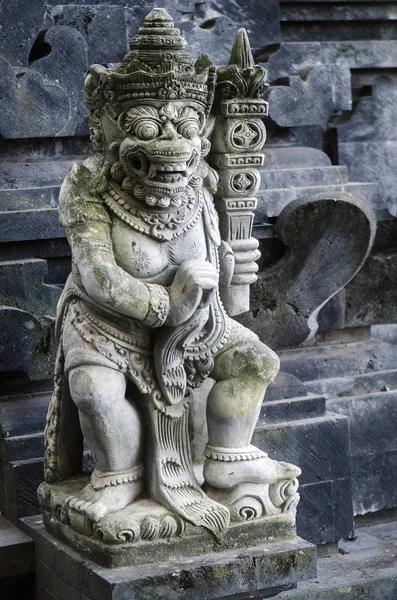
141,323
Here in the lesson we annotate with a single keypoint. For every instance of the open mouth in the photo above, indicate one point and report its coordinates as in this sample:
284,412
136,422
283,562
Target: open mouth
161,172
167,173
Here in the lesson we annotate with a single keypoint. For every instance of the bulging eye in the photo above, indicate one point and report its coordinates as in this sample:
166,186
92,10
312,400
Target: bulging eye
147,129
188,128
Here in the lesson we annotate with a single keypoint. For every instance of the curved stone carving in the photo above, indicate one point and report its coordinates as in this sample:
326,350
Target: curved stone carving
328,240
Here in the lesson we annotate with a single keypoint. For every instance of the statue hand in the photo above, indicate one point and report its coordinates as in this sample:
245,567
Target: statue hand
193,284
246,254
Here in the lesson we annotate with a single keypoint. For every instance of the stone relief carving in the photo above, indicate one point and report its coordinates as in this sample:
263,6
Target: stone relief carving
141,323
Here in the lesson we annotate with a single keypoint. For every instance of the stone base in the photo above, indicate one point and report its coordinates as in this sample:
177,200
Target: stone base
263,570
146,532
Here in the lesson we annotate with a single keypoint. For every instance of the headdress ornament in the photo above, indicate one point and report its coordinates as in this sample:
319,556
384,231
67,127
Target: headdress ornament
157,67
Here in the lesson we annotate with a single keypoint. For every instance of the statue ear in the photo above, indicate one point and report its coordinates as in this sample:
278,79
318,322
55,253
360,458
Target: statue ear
208,127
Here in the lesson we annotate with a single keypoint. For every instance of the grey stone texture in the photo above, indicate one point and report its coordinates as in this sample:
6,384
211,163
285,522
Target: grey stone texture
27,307
17,562
311,100
358,380
321,445
363,569
62,573
287,298
22,421
373,447
367,143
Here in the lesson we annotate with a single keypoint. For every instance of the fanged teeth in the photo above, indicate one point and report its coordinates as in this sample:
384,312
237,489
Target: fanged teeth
152,171
181,167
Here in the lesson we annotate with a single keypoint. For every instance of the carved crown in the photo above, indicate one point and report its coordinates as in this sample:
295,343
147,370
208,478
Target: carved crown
157,67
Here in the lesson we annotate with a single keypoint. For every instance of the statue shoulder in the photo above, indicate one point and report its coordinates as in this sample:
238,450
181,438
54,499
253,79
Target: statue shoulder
78,201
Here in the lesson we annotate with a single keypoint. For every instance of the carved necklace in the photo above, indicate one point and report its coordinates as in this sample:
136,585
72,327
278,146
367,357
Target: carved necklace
160,224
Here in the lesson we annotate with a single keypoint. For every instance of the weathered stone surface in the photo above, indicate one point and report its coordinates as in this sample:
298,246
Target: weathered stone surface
214,575
151,533
118,293
321,446
103,27
17,562
33,106
373,448
371,297
20,24
326,90
292,59
286,299
364,569
27,318
67,65
368,145
358,54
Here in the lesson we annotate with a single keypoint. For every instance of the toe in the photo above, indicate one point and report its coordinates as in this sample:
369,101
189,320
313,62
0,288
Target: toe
96,511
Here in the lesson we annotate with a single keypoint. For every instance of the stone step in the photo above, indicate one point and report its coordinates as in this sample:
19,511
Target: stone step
380,381
291,409
30,197
338,360
363,569
32,224
34,174
23,415
291,157
303,177
373,448
17,562
272,201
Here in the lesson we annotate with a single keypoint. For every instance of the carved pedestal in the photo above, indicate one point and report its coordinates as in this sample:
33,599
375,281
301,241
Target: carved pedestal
262,558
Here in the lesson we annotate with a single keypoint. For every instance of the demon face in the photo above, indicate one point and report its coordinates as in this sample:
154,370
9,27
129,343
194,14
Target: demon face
161,150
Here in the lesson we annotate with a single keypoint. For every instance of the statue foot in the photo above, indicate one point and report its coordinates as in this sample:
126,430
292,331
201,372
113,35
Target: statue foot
108,492
226,468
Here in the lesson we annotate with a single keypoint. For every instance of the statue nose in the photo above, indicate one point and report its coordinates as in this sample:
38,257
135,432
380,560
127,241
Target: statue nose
169,132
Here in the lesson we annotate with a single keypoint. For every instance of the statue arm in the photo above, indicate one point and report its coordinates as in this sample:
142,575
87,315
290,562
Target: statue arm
107,283
87,223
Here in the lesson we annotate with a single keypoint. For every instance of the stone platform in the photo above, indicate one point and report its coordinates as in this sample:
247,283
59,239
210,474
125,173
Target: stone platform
363,569
146,532
17,562
260,571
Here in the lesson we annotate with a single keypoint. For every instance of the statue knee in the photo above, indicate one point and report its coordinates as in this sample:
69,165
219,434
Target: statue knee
94,389
256,361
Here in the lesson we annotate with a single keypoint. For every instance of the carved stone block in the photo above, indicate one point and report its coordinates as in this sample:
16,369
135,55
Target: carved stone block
259,569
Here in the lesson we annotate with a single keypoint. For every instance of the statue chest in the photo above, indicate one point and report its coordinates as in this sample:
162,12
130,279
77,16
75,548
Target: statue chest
146,258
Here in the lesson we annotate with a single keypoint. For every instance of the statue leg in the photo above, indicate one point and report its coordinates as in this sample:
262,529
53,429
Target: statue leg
242,373
112,429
